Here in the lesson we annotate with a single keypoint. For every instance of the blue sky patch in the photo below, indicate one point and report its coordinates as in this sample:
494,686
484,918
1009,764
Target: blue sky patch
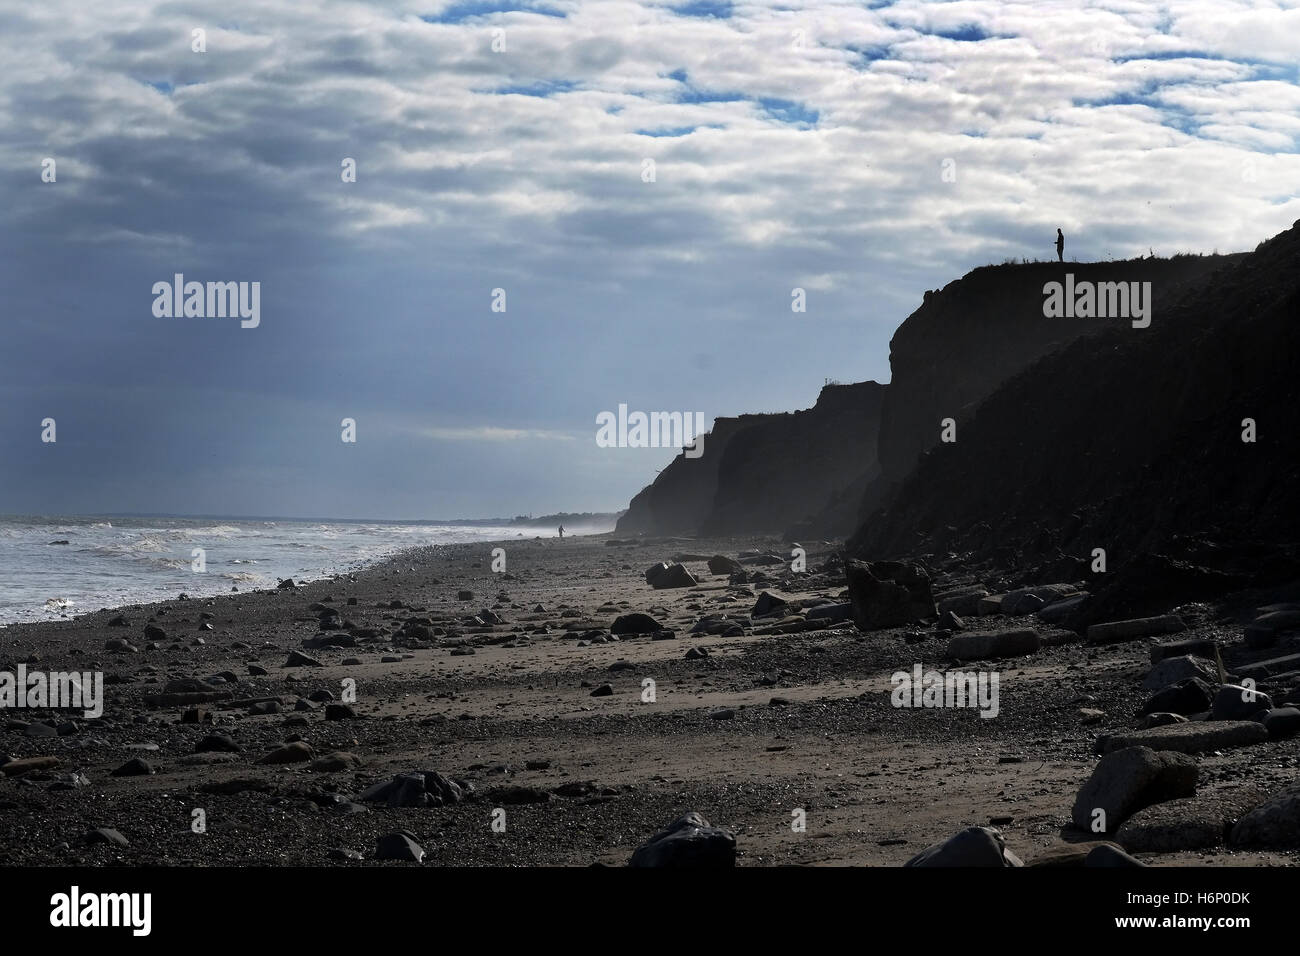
468,9
788,111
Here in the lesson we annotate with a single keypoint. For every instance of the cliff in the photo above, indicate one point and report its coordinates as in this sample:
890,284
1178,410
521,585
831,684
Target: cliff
1129,439
978,331
765,473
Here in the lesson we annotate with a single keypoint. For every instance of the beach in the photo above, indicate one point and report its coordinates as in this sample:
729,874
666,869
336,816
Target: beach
784,729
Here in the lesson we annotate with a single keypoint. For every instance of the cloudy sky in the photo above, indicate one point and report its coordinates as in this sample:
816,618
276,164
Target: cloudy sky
504,145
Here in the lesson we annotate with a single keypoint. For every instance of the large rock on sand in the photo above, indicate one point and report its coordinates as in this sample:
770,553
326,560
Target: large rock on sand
1189,823
1193,737
1128,780
974,846
1275,822
669,574
1171,670
979,646
636,623
888,593
689,841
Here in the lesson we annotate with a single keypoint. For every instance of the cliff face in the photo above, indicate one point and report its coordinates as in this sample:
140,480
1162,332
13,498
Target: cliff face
1128,440
982,329
764,473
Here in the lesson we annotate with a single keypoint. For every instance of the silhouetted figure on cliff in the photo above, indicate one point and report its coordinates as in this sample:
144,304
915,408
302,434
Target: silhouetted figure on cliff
1060,246
561,531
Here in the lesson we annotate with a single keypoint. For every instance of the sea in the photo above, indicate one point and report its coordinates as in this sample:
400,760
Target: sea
55,568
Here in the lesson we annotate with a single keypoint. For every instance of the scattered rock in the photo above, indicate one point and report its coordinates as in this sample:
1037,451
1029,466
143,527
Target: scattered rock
1125,781
1171,670
604,690
635,624
1115,631
135,767
1191,695
1107,855
974,846
720,564
1193,737
296,752
888,593
106,835
689,841
1233,702
989,645
401,845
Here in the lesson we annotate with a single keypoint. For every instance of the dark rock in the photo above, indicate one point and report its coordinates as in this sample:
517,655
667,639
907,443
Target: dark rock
135,767
339,712
888,593
1275,822
299,659
1189,696
689,841
604,690
107,835
1282,722
1128,780
635,624
296,752
1233,702
1107,855
991,645
669,575
720,564
1193,737
216,743
401,845
974,846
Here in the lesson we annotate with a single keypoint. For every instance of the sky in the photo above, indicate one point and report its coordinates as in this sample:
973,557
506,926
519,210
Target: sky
861,152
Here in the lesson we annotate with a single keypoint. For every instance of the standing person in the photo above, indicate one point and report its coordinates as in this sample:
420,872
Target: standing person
561,532
1060,246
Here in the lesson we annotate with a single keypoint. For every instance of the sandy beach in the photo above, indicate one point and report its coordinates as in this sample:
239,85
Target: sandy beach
494,690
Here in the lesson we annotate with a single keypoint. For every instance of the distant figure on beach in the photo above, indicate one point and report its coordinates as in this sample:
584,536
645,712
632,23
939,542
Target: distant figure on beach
561,531
1060,246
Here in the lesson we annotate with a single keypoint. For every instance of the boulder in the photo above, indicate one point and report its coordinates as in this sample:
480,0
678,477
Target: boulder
1194,647
1188,823
1115,631
770,605
974,846
1234,702
888,593
1281,722
961,600
721,564
1125,781
668,574
1193,737
401,845
1171,670
989,645
689,841
296,752
635,624
1191,695
1275,822
1107,855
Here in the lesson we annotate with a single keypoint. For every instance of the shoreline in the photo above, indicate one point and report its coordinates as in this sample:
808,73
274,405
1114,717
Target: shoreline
767,720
